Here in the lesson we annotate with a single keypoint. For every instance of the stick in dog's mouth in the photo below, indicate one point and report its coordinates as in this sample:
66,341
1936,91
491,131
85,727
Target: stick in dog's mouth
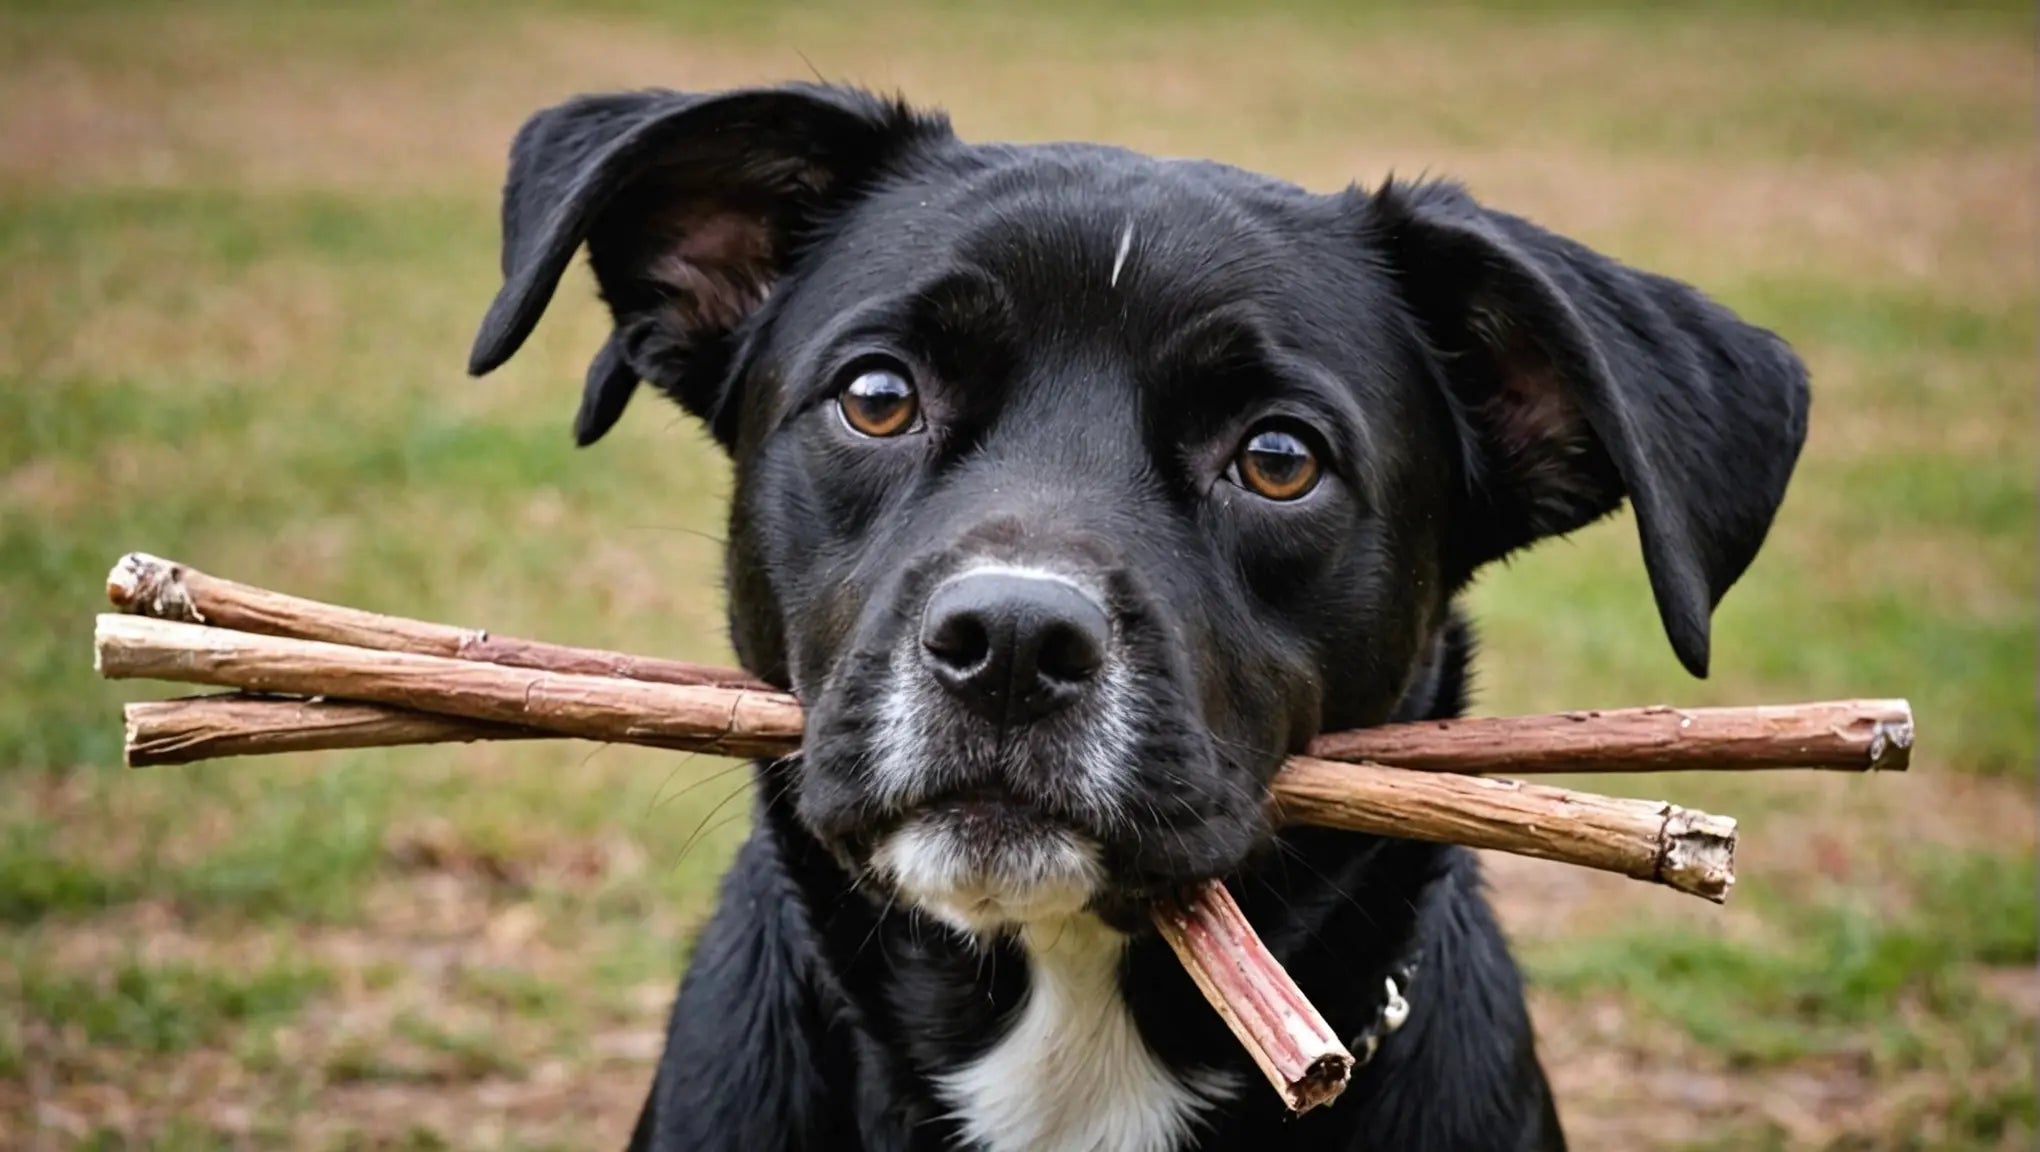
398,681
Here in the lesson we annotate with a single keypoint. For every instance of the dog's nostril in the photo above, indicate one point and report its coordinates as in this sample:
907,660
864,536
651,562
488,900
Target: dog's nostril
1073,650
1012,646
958,639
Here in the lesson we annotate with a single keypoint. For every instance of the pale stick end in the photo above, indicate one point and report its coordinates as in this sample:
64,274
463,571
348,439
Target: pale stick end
114,639
124,583
105,634
1322,1083
152,586
1892,741
130,734
1699,853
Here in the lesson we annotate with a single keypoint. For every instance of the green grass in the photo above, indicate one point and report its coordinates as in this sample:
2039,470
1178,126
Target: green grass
233,329
512,990
37,880
1832,979
163,1008
1893,995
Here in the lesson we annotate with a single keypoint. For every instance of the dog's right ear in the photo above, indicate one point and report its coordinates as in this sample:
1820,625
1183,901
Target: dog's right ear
692,207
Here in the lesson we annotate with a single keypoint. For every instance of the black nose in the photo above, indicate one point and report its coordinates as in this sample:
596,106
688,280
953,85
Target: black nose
1011,647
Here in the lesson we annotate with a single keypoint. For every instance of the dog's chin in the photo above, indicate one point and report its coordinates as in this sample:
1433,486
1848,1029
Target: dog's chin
986,866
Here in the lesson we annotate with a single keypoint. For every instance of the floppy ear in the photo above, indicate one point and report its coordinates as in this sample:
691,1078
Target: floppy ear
1583,381
691,207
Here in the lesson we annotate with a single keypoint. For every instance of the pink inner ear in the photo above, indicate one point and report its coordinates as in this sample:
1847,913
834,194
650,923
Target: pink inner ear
717,260
1530,413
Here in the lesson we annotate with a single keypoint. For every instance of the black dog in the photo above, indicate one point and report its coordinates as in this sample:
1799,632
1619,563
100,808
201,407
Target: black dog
1074,490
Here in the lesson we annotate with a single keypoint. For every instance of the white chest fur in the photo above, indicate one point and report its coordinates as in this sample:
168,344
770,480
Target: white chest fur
1072,1073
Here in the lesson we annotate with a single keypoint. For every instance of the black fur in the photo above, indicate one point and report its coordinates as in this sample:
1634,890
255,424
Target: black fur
1471,383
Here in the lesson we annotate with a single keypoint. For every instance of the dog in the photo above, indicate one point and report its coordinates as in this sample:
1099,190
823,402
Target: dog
1075,489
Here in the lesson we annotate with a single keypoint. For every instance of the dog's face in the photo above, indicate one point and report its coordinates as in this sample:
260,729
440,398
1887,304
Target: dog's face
1076,488
1077,524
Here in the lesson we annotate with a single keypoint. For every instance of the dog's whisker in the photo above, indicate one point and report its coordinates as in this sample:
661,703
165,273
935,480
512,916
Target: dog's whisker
688,845
710,778
1286,851
679,762
877,922
679,528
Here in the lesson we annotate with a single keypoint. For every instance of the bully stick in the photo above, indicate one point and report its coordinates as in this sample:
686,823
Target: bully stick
1690,851
1849,735
1287,1039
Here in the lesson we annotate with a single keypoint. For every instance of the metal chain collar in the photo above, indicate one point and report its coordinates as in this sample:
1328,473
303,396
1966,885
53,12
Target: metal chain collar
1395,1010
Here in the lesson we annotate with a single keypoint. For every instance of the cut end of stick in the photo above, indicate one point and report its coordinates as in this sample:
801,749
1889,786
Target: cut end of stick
1292,1045
153,586
1323,1082
1892,740
130,730
1699,853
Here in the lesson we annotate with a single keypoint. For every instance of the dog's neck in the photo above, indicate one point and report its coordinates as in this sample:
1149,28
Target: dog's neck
1071,1072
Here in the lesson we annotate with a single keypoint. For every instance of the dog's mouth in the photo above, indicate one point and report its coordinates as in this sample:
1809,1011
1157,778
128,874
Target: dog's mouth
953,791
984,861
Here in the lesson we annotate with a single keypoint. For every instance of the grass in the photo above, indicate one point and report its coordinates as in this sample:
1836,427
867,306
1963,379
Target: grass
162,1008
244,260
1829,982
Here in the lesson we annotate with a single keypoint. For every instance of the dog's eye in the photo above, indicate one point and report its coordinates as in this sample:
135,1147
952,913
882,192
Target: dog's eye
1277,463
879,401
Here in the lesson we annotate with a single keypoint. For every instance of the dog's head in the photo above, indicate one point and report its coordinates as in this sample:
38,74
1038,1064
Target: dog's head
1076,488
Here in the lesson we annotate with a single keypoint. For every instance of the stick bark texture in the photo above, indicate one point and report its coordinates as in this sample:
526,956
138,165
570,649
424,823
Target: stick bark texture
1291,1044
151,586
1689,851
695,717
198,728
1855,735
1651,840
1843,735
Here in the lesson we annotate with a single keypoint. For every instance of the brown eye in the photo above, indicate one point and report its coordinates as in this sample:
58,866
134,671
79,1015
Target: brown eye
1277,464
879,402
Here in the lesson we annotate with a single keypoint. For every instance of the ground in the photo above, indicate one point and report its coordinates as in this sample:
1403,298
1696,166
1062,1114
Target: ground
246,245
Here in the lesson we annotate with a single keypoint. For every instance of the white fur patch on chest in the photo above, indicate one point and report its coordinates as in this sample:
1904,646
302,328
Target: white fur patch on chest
1072,1073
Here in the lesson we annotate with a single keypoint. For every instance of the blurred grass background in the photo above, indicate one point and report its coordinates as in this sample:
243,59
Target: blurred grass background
245,245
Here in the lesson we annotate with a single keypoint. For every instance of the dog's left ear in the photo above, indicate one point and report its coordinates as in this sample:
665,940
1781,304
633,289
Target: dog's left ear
692,206
1584,381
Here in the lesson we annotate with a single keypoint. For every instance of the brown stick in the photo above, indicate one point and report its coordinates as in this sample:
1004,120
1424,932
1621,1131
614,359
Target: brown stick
1853,735
1864,735
1645,839
198,728
151,586
1291,1044
1688,851
702,718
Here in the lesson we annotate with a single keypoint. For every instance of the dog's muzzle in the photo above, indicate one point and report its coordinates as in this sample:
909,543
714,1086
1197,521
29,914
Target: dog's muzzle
1003,651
